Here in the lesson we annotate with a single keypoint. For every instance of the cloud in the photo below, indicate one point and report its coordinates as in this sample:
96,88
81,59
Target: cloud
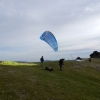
92,8
75,25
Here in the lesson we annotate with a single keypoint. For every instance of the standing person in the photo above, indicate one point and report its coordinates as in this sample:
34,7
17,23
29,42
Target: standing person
42,61
61,62
90,60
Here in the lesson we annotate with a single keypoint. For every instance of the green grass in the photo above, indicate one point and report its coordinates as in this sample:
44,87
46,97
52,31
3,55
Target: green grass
77,81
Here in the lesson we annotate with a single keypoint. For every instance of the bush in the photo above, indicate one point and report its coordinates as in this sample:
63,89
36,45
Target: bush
9,63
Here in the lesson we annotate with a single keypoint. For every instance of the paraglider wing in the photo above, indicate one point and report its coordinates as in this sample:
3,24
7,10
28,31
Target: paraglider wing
49,38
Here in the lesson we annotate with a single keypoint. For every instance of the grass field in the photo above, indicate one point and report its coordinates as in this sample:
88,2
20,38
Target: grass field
76,81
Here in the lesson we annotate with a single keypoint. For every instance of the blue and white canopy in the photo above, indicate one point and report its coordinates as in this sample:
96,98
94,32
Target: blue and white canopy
49,38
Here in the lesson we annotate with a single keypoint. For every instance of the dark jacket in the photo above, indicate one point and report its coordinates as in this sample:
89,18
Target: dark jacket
61,61
42,59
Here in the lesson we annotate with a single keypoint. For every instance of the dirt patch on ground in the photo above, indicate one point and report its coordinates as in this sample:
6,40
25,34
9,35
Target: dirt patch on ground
96,66
0,68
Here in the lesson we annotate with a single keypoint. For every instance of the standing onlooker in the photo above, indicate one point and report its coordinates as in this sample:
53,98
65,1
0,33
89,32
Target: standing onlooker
42,61
90,60
61,63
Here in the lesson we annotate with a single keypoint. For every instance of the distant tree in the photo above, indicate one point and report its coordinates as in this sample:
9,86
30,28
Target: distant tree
95,54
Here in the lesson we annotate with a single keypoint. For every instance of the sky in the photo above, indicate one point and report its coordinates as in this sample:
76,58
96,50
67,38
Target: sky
74,23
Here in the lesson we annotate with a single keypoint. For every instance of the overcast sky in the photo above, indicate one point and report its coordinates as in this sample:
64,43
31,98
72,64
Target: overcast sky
74,23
